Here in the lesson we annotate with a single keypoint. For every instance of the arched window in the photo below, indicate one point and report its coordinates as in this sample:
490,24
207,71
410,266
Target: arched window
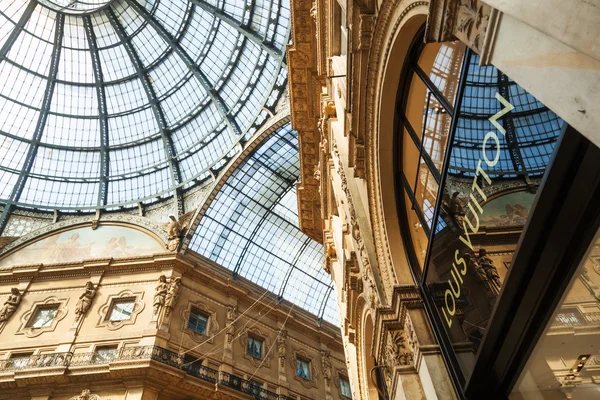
471,149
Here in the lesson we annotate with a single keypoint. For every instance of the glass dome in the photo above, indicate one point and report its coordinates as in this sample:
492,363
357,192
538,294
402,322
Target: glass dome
251,228
105,103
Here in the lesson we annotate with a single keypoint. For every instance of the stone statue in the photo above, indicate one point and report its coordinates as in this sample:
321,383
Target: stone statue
10,305
172,295
85,300
160,293
489,268
456,208
86,394
281,350
231,316
485,268
326,364
175,229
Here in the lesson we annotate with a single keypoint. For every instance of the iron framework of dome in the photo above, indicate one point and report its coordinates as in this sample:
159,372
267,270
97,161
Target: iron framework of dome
107,103
251,228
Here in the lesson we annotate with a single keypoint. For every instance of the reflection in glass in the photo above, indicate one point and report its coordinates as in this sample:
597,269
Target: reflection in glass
566,360
501,147
442,63
121,310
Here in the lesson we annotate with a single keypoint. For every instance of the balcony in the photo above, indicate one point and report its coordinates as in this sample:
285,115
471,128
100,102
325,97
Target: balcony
141,353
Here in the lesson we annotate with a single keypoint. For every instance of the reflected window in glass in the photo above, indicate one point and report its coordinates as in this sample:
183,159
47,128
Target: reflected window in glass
121,310
43,316
303,368
255,346
345,388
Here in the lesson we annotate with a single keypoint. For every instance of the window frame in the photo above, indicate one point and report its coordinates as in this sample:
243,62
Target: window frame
308,366
196,311
258,339
40,308
113,304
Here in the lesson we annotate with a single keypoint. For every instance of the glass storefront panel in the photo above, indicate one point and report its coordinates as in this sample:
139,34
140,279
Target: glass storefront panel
565,363
501,147
442,63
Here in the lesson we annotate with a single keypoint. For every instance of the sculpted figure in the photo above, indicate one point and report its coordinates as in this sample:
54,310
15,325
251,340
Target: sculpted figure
326,364
491,272
10,305
281,350
159,294
172,295
231,316
85,300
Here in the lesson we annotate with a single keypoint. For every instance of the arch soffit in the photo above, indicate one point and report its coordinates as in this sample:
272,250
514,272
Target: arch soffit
397,24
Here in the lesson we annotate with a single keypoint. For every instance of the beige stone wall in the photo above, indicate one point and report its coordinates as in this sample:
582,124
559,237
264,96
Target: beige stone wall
205,286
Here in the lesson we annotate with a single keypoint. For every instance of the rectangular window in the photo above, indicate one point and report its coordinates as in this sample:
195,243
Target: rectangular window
198,321
255,347
104,354
345,387
43,316
303,368
20,360
121,310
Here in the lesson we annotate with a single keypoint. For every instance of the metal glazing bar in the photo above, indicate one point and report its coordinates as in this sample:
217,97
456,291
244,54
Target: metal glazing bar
512,141
41,122
250,34
154,103
191,65
102,110
17,29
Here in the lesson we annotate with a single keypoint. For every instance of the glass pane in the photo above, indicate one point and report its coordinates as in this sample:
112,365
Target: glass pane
345,388
303,369
442,62
121,310
496,166
418,235
566,359
416,104
198,322
43,317
255,347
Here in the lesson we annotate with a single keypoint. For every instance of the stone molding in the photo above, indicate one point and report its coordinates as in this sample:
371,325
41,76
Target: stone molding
267,355
212,326
314,375
25,319
104,310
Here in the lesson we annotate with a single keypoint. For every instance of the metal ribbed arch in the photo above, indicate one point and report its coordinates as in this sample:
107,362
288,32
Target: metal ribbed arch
251,228
215,37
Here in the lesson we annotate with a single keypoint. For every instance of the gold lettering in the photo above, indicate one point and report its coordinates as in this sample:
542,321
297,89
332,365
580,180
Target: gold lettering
507,108
494,137
482,172
468,241
476,186
460,261
476,203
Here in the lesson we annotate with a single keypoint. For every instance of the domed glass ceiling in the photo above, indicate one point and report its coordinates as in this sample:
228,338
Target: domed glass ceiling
108,103
251,228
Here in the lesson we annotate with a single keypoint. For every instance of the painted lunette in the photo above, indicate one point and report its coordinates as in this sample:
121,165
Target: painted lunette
453,293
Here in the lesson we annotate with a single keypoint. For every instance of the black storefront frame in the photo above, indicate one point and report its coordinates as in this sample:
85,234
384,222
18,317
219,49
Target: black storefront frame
563,222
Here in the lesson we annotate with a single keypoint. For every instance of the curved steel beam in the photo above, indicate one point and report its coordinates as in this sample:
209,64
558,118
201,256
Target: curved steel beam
43,116
154,103
102,110
244,30
191,65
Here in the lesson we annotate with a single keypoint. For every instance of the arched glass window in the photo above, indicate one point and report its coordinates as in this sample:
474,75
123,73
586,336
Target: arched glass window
472,147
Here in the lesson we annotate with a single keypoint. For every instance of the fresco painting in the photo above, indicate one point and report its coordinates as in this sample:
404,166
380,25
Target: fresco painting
508,210
85,243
